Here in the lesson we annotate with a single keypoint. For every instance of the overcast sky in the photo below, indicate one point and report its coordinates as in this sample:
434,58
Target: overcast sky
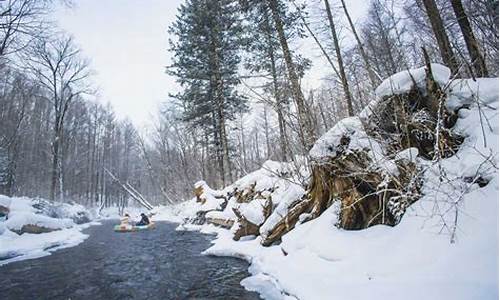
127,41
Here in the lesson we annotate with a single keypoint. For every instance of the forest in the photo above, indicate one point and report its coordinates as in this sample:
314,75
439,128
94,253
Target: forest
240,66
319,149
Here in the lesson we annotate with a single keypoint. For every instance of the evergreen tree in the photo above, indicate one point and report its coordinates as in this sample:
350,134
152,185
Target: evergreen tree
206,60
266,56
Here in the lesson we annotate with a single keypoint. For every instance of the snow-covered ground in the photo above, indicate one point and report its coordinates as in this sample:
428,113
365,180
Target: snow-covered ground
424,257
58,223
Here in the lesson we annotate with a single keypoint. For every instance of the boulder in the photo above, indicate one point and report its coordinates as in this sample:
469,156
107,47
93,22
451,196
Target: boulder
4,211
224,223
35,229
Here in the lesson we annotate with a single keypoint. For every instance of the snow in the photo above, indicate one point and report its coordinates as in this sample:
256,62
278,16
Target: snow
168,213
211,197
409,154
253,211
29,246
27,211
286,188
113,212
18,218
227,214
468,91
266,285
331,142
288,193
277,181
425,256
5,201
403,81
22,213
349,135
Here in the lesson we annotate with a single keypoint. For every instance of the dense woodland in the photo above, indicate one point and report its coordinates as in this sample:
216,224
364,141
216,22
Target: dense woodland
241,68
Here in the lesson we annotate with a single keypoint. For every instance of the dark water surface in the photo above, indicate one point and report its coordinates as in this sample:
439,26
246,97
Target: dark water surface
153,264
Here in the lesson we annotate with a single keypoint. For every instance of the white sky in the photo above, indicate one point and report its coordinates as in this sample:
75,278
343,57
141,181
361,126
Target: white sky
127,42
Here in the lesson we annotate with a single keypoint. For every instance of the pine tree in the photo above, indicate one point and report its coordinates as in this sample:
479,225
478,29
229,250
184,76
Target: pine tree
206,60
266,59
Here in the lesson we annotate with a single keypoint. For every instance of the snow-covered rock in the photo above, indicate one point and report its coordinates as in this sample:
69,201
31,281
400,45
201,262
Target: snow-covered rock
36,227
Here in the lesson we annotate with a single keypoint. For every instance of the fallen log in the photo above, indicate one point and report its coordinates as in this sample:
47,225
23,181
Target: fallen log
131,191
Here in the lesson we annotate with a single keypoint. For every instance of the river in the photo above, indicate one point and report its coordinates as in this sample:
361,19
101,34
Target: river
156,264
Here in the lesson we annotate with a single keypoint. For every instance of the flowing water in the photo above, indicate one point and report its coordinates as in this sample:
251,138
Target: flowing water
153,264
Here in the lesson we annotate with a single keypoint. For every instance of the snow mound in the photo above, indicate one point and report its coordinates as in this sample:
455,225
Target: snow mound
404,81
17,219
466,92
349,128
211,199
253,211
349,135
279,182
29,246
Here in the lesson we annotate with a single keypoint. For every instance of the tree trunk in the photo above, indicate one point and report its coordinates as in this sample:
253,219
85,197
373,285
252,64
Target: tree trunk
315,38
266,133
442,38
55,162
308,137
218,85
470,39
371,74
322,114
276,91
343,77
218,149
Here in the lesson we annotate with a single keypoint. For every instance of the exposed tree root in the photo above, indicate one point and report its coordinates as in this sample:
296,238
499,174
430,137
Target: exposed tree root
368,196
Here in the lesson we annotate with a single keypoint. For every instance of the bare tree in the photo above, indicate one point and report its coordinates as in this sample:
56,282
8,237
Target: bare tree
440,34
62,72
470,39
343,77
20,22
369,69
308,136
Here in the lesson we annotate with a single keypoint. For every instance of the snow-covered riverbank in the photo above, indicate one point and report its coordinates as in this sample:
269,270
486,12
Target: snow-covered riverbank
34,227
445,247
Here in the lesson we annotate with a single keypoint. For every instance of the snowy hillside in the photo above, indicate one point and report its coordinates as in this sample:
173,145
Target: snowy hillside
444,245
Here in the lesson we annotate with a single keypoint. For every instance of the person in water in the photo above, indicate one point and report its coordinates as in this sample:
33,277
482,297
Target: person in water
144,220
125,220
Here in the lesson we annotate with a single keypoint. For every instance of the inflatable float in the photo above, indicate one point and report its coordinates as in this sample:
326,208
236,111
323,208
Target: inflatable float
132,228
